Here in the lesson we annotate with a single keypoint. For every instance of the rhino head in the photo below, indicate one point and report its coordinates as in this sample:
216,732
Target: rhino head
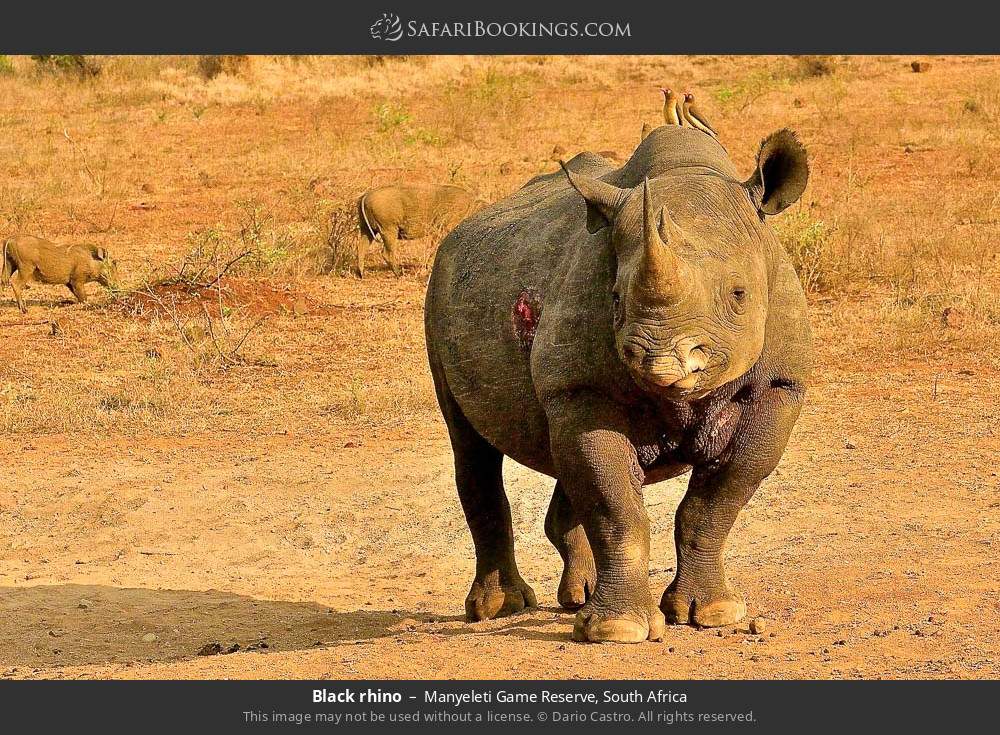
692,267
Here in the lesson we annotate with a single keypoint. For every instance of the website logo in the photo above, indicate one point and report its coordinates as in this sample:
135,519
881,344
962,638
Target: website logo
387,28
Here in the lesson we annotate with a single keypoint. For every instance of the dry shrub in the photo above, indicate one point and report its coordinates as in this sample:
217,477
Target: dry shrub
489,104
212,65
808,243
214,335
323,243
255,248
214,312
809,67
341,240
73,64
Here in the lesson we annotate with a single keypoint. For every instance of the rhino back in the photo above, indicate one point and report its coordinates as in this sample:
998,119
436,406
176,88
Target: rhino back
671,150
591,164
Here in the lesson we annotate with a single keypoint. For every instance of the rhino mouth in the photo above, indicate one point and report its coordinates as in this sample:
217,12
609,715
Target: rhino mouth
671,380
675,383
676,391
672,372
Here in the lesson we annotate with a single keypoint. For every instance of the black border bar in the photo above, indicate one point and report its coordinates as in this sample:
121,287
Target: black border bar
258,706
340,27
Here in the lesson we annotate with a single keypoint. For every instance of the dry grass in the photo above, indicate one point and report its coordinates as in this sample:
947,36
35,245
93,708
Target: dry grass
159,159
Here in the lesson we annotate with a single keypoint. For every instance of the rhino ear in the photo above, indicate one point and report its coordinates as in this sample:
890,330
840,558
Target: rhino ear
603,199
781,175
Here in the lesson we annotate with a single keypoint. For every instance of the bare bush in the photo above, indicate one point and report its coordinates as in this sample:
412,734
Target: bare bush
197,297
810,67
342,238
808,243
75,64
212,65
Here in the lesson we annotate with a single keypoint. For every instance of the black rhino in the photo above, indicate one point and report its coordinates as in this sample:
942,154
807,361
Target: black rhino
611,329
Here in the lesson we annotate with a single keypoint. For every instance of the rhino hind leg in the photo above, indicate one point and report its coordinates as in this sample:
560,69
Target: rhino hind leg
498,588
566,533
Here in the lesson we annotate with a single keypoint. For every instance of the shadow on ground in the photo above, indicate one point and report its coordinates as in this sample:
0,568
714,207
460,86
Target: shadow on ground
48,626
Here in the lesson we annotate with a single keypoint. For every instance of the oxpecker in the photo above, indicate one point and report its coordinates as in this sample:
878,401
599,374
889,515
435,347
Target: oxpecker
695,118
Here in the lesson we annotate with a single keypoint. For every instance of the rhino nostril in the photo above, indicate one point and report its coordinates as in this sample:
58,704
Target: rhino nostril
697,359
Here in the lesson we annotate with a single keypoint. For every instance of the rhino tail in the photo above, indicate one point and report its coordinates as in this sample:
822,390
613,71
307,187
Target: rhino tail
363,223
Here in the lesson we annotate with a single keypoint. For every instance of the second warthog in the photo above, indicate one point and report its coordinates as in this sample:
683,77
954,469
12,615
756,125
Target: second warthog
611,331
408,212
27,259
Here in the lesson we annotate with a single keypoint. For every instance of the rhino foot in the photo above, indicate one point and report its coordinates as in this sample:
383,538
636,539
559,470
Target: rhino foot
596,626
681,608
487,600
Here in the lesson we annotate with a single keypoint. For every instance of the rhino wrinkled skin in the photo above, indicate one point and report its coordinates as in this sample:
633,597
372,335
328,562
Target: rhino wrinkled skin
668,332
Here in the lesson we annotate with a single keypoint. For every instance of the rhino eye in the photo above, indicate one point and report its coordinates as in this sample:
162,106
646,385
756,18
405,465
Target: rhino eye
739,296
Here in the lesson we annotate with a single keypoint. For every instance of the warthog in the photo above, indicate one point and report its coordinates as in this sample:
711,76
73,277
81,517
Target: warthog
27,259
408,212
611,329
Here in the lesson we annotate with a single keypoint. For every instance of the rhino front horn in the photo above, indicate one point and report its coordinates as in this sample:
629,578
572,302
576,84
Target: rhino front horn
659,261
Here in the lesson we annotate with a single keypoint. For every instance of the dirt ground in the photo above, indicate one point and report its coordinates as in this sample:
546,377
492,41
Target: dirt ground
291,513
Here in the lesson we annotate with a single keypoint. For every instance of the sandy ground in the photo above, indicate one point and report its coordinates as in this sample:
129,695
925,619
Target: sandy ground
156,501
871,552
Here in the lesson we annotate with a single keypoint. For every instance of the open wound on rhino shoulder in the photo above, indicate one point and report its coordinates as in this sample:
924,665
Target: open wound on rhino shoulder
524,316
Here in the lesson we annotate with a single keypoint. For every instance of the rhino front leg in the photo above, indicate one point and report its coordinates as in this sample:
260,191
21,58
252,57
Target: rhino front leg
566,533
598,467
700,593
498,588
